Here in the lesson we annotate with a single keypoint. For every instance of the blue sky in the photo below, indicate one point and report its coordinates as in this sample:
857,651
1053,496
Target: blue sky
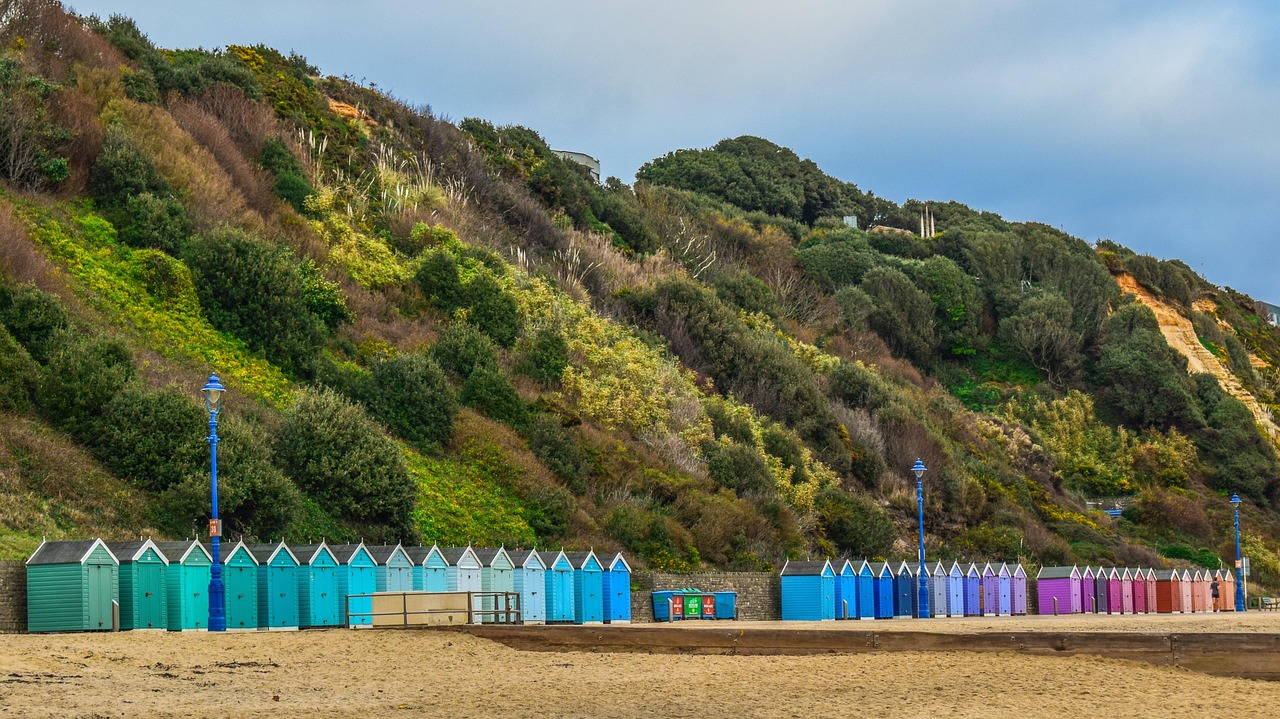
1155,124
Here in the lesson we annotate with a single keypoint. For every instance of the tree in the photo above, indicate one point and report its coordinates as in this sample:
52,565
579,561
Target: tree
957,304
493,310
1042,332
857,527
410,395
82,375
1143,378
152,439
903,315
29,138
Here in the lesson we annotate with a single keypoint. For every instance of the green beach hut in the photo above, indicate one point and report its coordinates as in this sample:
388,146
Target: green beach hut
277,586
240,586
317,586
187,584
70,587
144,603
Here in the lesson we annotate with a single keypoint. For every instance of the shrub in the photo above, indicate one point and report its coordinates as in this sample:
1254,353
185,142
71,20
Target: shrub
489,391
744,290
561,449
83,374
740,468
336,453
152,439
1243,460
291,184
152,221
28,136
493,310
440,281
903,315
19,375
1042,333
256,291
549,511
462,349
32,317
122,171
854,384
837,264
1143,378
854,525
410,395
324,298
546,357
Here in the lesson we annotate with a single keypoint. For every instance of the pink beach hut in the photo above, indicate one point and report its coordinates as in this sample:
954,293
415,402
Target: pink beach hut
1058,590
1115,591
1149,589
1197,591
1139,591
1227,590
1206,588
1088,592
1126,591
1184,587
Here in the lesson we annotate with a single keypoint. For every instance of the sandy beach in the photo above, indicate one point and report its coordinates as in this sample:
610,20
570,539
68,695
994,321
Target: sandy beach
339,673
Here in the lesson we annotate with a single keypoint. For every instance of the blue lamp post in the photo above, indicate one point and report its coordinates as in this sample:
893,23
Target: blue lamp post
1235,502
217,597
919,470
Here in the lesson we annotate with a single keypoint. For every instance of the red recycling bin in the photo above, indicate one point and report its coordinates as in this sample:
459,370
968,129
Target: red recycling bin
708,606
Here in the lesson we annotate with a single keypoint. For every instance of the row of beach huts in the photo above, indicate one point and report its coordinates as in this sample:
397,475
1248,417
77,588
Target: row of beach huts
1116,590
72,585
848,589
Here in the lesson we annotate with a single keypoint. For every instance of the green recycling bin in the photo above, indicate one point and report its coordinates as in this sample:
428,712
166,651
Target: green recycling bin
692,604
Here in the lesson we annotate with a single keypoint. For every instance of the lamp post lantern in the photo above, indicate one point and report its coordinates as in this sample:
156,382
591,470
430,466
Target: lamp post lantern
919,470
1235,503
213,390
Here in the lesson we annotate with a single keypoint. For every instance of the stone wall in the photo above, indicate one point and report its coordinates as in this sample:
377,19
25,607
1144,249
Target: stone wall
759,593
13,596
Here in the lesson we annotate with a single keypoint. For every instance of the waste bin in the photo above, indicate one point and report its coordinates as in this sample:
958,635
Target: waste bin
668,606
726,605
709,606
692,604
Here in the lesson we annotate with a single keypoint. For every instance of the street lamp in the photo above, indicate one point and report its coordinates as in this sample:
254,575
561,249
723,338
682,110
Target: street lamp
919,470
1235,502
217,599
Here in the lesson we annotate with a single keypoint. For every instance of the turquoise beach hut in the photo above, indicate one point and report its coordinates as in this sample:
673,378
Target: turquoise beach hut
187,584
846,589
558,582
617,591
497,574
588,588
356,575
866,591
430,569
70,587
239,586
394,571
318,598
884,589
938,590
144,603
531,584
808,591
277,586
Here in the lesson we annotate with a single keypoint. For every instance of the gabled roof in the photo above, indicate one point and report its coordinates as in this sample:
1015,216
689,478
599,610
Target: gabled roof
904,568
344,553
619,559
1113,573
839,565
972,571
1087,573
579,559
988,570
528,559
939,569
956,570
307,553
1126,574
1168,575
453,555
227,551
74,551
550,559
1003,571
179,551
1058,573
418,555
1019,571
264,553
132,551
382,553
488,556
860,566
805,568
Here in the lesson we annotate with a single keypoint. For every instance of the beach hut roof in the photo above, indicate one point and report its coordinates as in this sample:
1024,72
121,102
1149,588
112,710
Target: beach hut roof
1112,573
551,558
1126,574
839,565
418,555
343,553
1167,575
805,569
1003,571
988,570
133,551
382,553
72,551
939,569
1019,571
1058,573
580,559
1087,574
264,553
619,559
488,556
905,568
527,558
309,552
179,551
453,555
973,571
879,569
230,551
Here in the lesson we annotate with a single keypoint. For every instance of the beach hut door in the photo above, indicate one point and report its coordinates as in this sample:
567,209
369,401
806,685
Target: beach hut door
100,596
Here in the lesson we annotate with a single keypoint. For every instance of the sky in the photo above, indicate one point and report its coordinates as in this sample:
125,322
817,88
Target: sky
1155,124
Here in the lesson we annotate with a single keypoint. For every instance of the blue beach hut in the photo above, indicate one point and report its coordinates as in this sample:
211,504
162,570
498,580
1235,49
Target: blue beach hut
1005,579
71,585
846,589
239,586
973,591
588,588
530,584
277,586
866,591
808,591
904,591
394,569
417,557
318,603
955,590
884,589
187,584
144,603
463,574
938,590
617,591
434,571
558,586
497,574
356,576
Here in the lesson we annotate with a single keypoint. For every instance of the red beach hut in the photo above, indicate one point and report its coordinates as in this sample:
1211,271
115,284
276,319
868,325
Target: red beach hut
1115,591
1227,591
1168,591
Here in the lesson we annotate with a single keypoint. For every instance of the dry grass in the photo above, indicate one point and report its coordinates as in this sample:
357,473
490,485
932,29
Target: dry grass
253,183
